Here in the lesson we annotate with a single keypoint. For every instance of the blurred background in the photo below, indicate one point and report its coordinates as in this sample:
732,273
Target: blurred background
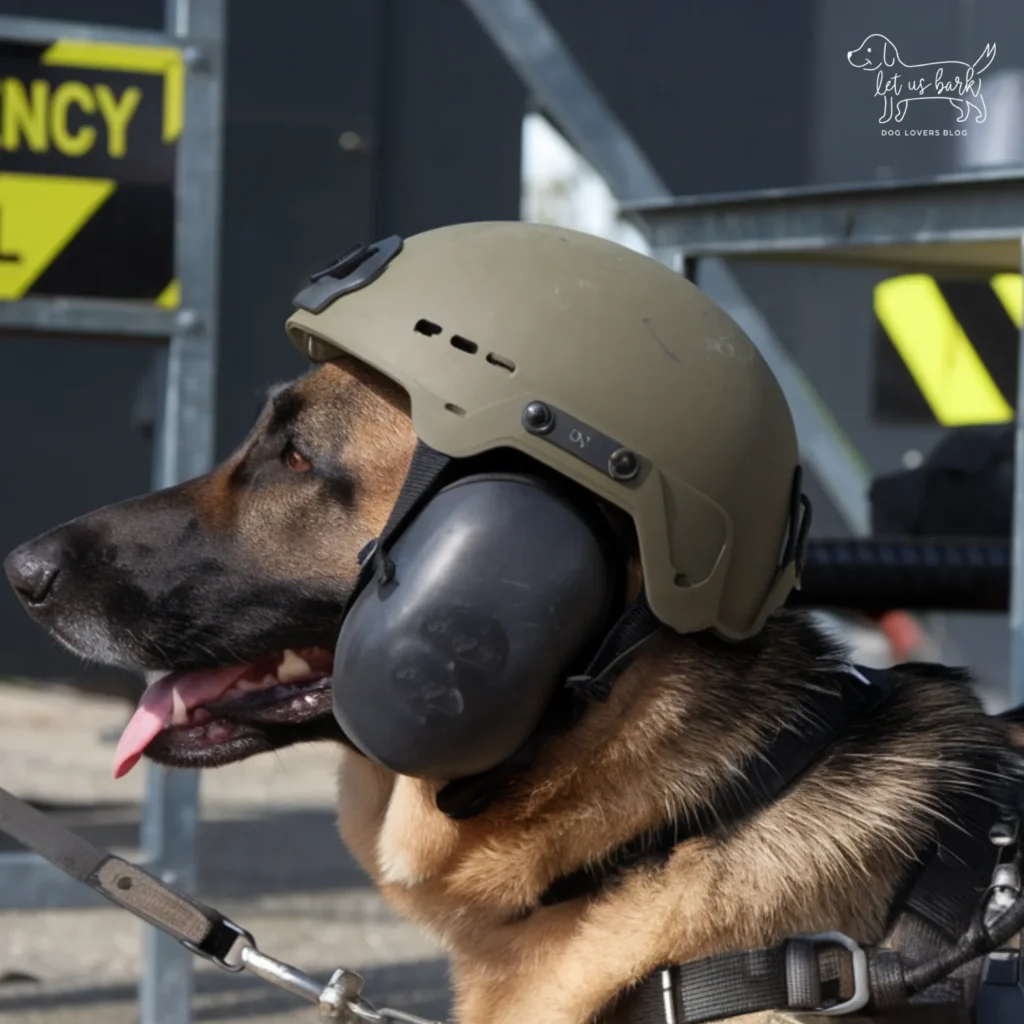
348,120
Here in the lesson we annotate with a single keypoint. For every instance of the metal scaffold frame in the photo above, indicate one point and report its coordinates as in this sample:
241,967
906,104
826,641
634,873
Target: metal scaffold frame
184,443
970,224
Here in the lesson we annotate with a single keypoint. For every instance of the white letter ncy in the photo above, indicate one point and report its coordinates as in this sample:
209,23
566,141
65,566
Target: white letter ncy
35,116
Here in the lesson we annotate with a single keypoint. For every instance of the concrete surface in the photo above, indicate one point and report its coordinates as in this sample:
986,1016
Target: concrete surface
270,858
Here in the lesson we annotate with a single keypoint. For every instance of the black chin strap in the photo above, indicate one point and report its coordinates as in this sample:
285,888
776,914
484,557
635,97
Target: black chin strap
631,631
426,473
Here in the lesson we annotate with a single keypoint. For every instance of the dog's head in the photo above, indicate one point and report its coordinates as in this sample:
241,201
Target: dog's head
876,51
237,579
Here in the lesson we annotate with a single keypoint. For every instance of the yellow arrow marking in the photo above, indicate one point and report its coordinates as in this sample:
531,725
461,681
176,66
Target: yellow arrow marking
170,297
941,359
39,215
1010,289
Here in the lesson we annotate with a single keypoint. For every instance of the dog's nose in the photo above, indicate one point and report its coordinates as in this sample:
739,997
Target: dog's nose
32,569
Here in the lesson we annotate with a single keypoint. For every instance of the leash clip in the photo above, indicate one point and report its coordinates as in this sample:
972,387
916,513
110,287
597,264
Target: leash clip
1005,887
340,1000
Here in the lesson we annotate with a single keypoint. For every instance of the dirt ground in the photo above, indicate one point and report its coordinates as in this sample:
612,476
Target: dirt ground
269,858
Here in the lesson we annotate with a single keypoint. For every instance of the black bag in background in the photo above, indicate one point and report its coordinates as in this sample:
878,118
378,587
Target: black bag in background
964,488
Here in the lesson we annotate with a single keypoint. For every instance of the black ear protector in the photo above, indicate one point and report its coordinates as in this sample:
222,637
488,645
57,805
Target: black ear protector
447,662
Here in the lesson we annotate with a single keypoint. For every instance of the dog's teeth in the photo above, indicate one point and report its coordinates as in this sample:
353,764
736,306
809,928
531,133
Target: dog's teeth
256,684
293,668
179,715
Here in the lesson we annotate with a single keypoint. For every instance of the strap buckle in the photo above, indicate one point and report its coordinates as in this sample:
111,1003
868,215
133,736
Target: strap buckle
859,960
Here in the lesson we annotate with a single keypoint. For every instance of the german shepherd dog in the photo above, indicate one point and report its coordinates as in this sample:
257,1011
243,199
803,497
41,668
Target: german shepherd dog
239,578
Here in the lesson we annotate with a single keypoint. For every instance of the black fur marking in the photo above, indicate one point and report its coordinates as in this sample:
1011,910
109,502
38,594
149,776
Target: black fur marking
286,406
193,601
340,485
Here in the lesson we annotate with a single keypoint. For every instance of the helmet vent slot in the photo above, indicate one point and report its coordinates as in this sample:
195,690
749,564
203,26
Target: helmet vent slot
464,344
458,410
428,328
496,360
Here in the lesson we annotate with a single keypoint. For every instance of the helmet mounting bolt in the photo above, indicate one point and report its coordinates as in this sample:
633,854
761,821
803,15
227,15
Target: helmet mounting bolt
623,464
538,418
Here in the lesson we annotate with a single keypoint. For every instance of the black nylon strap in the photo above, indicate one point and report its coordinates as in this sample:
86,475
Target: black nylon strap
767,774
726,986
424,474
957,870
127,885
796,975
634,628
423,478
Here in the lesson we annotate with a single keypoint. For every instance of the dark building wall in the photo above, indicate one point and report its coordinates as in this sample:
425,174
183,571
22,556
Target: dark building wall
714,93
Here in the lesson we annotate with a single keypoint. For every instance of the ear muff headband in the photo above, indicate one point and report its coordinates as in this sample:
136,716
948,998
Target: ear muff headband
497,587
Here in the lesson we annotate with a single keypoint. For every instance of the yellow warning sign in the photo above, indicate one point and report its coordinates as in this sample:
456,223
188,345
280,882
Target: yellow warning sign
958,344
88,149
39,215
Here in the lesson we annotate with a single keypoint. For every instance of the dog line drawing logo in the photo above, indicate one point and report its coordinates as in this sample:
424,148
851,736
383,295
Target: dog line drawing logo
955,81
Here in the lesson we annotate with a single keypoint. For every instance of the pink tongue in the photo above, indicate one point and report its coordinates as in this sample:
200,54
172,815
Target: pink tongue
156,709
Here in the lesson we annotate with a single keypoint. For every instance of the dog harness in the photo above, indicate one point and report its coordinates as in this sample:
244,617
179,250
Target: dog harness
964,895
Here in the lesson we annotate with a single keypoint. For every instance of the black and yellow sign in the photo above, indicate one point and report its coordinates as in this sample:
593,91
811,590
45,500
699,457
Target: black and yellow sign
88,145
947,350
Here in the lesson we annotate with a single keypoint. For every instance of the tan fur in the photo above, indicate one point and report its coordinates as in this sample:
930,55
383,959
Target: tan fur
349,412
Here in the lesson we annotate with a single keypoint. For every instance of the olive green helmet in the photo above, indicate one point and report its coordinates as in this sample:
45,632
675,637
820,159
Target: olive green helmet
602,364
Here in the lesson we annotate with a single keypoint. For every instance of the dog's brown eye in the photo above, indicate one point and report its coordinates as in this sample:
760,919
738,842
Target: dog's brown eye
293,460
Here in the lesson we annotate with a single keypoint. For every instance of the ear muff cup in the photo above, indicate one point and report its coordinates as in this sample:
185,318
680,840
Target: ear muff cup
500,584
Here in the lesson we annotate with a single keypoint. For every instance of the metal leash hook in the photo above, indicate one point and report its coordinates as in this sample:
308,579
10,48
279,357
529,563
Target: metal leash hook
339,1001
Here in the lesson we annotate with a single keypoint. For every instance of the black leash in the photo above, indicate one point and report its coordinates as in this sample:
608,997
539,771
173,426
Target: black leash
204,931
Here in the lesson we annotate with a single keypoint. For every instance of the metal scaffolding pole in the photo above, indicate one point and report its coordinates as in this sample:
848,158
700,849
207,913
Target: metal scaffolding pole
193,48
184,449
1017,564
